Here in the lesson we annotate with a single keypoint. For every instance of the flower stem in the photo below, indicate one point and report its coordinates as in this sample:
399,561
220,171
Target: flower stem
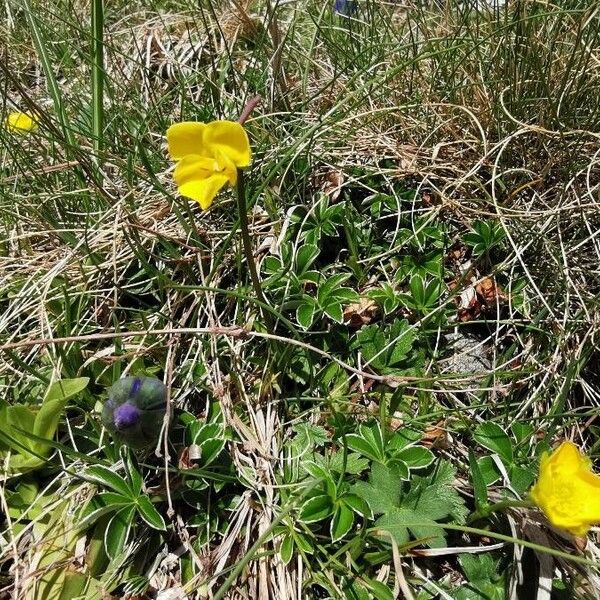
247,243
498,507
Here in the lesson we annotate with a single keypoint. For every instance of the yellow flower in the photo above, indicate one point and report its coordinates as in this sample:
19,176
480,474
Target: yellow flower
20,122
567,490
208,155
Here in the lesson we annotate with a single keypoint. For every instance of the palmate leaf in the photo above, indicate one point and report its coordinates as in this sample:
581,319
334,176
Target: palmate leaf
382,492
417,510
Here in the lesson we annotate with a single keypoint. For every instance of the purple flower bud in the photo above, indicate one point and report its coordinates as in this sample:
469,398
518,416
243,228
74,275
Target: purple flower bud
135,386
345,8
126,415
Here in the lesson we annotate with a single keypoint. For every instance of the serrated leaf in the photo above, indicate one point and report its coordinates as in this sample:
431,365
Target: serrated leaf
436,496
316,508
402,520
149,513
343,519
522,431
108,479
354,464
521,479
382,492
402,337
429,499
309,436
491,436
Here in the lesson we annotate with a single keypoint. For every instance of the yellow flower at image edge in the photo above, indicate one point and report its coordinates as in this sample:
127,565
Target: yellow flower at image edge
20,122
567,490
208,156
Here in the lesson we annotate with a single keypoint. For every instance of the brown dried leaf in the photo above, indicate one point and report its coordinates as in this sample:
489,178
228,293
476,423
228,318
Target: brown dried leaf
360,313
490,291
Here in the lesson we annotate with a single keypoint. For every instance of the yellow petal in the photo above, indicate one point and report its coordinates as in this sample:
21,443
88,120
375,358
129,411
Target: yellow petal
20,122
199,178
192,167
567,490
567,458
226,166
231,139
186,138
203,191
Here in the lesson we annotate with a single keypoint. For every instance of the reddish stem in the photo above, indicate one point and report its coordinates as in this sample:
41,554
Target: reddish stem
250,106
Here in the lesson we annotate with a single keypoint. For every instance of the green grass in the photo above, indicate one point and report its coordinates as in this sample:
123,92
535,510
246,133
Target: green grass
423,208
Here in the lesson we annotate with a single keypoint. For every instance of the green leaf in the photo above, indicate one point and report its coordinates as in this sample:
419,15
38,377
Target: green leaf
522,431
382,492
521,479
329,287
354,464
117,531
435,495
379,589
402,336
305,313
343,519
309,435
149,513
286,550
485,583
386,349
357,504
15,418
362,446
135,480
403,438
46,420
489,470
345,295
479,486
316,508
304,543
66,388
368,441
305,256
402,520
428,500
335,312
491,436
108,479
100,505
416,457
